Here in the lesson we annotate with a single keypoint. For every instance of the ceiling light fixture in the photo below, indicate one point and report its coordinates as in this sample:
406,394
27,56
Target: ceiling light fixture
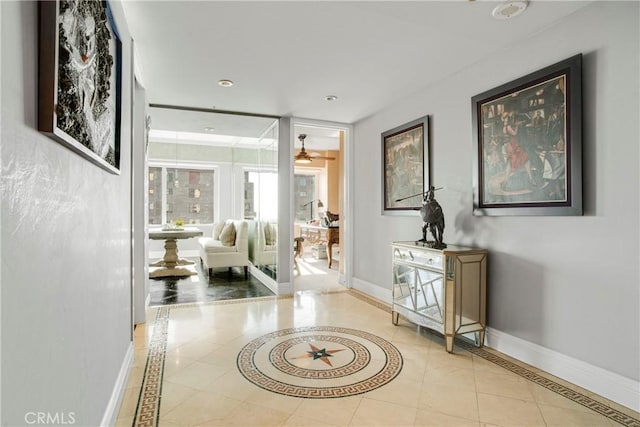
330,98
304,157
225,83
303,160
209,129
509,9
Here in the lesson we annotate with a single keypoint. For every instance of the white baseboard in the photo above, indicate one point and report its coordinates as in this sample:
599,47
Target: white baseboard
369,288
342,279
605,383
264,279
283,288
111,413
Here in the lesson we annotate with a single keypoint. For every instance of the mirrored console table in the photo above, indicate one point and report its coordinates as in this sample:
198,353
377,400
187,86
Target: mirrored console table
441,289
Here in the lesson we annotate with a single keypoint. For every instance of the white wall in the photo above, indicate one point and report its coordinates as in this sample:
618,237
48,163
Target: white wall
66,273
285,205
140,189
568,284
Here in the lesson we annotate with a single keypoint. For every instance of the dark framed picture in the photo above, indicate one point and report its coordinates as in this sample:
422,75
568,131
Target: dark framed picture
405,166
528,144
80,79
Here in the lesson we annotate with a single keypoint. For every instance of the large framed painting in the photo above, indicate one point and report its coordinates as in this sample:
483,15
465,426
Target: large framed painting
405,166
80,79
528,144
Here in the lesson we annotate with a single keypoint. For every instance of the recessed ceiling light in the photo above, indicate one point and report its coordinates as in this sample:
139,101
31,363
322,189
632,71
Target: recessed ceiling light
330,98
225,83
509,9
209,129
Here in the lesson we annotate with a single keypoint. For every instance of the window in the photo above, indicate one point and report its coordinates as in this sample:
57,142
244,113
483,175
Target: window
304,190
261,195
181,193
155,195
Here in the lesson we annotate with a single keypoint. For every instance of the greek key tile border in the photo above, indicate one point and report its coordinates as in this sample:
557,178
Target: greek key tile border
361,357
381,375
148,408
575,396
549,384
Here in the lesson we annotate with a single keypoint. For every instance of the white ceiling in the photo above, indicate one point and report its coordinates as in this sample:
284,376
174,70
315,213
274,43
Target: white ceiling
169,125
285,57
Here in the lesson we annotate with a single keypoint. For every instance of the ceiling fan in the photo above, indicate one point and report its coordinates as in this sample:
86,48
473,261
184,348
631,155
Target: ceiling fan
304,157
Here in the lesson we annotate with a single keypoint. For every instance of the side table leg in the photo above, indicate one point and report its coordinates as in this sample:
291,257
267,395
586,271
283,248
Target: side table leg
449,342
395,316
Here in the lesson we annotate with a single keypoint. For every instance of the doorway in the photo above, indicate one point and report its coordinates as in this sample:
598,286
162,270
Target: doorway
206,169
320,218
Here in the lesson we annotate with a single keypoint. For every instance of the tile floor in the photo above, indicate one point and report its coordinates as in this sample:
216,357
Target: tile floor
186,356
310,273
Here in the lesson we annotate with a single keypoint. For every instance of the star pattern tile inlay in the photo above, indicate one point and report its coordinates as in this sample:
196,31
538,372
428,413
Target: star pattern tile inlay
317,353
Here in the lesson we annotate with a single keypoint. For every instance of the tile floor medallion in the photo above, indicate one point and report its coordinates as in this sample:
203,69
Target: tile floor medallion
319,362
330,362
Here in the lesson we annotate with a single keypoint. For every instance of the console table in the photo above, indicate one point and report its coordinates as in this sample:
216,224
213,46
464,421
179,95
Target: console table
169,264
441,289
316,234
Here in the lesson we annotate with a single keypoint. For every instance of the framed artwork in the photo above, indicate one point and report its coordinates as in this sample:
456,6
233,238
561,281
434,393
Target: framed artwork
405,166
528,144
80,79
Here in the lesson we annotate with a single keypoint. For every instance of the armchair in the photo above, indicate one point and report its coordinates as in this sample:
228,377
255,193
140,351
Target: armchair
217,252
263,243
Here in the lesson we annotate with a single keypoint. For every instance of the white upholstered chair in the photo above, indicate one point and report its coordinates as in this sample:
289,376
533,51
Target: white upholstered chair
214,253
263,243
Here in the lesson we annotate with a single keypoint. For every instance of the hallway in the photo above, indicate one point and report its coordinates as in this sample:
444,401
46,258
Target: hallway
219,364
313,274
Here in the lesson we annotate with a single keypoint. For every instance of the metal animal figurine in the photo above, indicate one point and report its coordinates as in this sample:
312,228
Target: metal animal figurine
432,219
